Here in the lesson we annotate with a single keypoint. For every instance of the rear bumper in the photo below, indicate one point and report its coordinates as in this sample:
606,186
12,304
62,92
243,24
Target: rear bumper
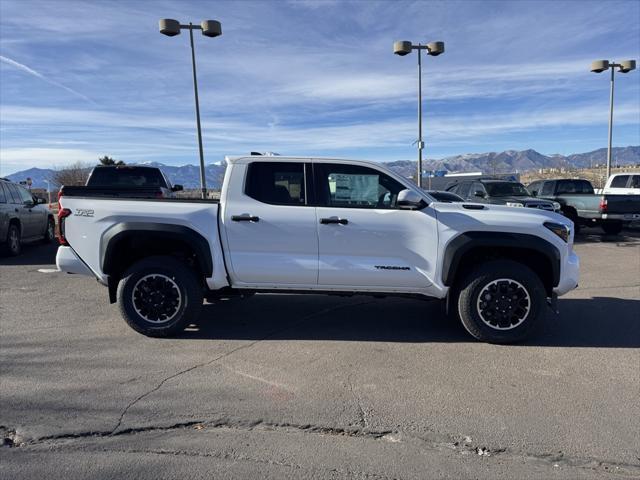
621,216
67,261
569,275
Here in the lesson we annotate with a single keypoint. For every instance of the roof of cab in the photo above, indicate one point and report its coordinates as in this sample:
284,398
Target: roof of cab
278,158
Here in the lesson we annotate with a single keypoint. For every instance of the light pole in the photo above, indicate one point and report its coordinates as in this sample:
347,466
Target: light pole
210,28
403,48
600,66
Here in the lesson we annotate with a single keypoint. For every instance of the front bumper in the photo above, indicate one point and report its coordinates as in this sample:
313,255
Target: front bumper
67,261
569,274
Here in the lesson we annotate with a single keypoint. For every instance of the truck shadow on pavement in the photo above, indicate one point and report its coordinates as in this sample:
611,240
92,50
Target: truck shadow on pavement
628,237
36,253
597,322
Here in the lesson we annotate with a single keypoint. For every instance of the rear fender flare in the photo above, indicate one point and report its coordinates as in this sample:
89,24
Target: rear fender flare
167,232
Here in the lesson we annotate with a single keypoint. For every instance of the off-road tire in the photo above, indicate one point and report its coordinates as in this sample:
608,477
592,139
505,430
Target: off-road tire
159,283
505,276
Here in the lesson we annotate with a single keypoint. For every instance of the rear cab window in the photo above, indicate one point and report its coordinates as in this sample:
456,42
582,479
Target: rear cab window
277,183
619,181
126,177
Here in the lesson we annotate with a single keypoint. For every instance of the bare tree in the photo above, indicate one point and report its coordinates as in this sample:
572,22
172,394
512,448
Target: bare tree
75,174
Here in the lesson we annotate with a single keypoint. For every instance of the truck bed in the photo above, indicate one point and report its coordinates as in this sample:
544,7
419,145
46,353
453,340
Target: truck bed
129,193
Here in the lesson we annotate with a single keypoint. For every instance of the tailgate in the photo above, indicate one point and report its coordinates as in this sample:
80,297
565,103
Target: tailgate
623,204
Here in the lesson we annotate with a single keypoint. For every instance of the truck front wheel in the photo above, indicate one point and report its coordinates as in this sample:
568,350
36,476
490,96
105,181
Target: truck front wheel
500,301
159,296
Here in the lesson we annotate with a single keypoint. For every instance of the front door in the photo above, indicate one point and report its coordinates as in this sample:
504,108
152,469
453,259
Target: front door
365,239
270,227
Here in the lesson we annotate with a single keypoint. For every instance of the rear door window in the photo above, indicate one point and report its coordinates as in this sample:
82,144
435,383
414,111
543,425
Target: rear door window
277,183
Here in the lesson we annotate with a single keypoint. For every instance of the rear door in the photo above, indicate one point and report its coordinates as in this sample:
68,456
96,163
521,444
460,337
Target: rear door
270,225
365,240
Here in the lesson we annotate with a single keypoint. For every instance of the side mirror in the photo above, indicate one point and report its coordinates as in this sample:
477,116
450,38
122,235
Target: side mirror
177,188
534,193
409,200
479,193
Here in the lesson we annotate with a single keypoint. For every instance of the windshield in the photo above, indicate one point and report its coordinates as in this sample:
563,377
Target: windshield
506,189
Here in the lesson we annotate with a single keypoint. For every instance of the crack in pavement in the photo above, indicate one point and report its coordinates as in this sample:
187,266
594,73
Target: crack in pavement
463,447
364,423
231,352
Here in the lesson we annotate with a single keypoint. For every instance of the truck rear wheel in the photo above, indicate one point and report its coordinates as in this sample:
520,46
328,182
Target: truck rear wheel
500,301
612,227
159,296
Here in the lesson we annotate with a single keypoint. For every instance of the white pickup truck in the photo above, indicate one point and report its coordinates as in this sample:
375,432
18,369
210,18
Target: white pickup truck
307,225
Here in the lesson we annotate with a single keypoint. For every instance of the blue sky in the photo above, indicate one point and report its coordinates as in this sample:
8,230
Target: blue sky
89,78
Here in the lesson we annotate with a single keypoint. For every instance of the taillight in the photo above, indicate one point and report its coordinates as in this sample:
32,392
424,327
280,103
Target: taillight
62,214
159,194
603,204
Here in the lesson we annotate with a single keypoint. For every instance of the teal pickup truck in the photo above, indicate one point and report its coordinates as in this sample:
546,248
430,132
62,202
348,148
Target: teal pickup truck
579,203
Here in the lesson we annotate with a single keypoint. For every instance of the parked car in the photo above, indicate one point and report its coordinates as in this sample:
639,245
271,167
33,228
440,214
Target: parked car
446,197
129,181
22,218
623,184
307,225
579,203
501,192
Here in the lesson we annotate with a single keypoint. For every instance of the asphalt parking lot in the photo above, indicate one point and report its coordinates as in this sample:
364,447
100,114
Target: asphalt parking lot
319,387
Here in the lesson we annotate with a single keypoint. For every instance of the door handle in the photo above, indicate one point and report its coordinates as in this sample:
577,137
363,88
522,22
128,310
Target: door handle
244,218
327,221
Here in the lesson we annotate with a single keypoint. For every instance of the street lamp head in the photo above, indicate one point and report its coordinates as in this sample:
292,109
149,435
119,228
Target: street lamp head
627,66
169,27
599,66
435,48
402,48
211,28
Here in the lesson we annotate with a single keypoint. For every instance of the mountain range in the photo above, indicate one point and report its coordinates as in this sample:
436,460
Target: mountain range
492,162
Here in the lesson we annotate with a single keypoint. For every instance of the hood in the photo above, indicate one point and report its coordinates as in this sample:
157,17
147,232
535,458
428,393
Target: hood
493,214
523,200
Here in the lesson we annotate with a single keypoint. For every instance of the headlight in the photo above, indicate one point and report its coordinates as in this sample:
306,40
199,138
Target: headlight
514,204
556,206
560,230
